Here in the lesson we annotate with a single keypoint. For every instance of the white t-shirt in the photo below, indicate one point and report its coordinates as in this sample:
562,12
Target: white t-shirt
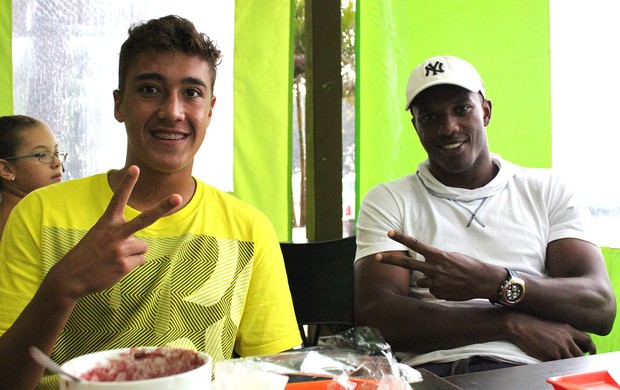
508,223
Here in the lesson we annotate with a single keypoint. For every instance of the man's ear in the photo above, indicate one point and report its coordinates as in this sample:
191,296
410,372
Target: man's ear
117,105
413,123
413,118
487,107
213,99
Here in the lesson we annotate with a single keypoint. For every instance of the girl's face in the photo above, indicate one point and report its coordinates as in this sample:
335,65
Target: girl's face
26,174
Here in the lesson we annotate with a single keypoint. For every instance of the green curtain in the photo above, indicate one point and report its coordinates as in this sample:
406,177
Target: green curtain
263,102
6,64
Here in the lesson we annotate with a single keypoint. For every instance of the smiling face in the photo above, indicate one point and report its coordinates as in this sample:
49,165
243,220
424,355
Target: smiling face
166,105
450,122
26,174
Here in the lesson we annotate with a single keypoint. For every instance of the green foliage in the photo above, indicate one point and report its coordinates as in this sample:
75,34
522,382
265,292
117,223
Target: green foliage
347,23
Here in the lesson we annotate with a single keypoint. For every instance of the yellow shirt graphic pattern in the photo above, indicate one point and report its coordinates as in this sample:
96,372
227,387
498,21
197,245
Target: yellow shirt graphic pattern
213,280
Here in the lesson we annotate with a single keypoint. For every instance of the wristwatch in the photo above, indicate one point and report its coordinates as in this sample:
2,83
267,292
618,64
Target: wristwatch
511,291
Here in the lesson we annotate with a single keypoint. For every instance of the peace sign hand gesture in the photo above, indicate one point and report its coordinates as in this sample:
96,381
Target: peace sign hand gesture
451,276
109,250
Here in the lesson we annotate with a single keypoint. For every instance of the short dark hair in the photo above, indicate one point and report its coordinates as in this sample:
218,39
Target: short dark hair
170,33
11,128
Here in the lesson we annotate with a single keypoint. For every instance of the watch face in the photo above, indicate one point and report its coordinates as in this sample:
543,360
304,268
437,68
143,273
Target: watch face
513,292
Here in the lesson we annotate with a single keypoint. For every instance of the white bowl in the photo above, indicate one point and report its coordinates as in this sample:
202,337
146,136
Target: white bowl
199,378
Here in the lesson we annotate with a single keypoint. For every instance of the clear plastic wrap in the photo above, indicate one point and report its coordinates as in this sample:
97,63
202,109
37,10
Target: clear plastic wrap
357,358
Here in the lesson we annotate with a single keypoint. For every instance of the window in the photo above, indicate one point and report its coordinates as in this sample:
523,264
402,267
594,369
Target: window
584,85
65,64
348,61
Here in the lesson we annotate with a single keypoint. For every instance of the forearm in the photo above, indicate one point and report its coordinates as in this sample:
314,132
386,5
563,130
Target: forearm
39,324
415,326
578,292
581,302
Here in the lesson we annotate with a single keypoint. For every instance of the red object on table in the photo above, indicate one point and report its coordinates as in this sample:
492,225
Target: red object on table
597,380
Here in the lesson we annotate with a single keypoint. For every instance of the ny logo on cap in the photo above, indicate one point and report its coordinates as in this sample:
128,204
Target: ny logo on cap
437,67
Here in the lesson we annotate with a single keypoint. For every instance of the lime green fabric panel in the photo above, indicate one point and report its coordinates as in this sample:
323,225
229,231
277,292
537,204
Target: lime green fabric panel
611,342
262,93
507,41
6,63
387,145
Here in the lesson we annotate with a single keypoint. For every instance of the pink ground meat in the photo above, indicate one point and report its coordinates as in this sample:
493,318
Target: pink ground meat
143,363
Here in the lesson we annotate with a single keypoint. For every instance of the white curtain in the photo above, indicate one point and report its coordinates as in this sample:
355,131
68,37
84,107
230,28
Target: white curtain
65,58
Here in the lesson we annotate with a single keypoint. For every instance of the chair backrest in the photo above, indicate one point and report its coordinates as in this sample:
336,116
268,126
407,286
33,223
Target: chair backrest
320,277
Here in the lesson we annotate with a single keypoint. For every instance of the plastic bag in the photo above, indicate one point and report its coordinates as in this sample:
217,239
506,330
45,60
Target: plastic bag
356,359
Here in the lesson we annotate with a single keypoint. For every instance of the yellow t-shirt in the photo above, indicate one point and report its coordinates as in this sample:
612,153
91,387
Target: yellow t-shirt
214,278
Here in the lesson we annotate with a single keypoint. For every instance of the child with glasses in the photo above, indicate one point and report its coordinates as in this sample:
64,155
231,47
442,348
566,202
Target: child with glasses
29,159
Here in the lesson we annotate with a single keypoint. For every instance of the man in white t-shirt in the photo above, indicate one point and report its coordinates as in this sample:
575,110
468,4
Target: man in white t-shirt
474,263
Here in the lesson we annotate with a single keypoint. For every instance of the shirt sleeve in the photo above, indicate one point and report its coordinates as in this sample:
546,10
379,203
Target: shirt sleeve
269,324
379,213
568,215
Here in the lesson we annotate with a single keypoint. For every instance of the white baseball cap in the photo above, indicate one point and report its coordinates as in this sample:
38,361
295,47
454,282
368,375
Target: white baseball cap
443,70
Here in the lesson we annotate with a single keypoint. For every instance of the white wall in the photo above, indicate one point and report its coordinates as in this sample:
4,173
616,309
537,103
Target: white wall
585,83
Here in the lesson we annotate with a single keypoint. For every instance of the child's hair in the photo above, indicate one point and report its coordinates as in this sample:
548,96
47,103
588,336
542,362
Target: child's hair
11,128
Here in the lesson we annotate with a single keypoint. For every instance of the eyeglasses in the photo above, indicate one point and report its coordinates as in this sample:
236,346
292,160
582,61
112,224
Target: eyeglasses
44,157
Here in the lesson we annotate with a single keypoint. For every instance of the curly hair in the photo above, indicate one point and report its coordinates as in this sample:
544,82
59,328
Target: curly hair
171,34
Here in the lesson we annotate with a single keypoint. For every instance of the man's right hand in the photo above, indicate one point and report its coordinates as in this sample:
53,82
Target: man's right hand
548,340
109,250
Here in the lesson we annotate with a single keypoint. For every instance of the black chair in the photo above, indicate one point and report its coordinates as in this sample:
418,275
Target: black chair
320,277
